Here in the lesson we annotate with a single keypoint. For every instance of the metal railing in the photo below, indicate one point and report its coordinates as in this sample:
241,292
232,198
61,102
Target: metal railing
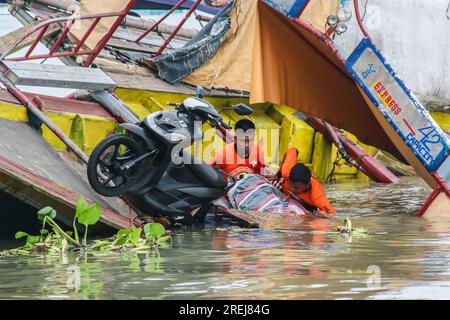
175,31
68,22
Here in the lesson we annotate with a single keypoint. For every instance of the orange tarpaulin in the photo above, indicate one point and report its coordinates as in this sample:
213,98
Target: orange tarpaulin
231,66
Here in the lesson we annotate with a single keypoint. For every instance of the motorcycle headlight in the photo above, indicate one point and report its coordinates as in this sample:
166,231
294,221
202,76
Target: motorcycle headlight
177,137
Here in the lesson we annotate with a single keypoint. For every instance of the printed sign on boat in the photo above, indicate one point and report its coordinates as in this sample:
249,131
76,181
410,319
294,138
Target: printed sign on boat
407,116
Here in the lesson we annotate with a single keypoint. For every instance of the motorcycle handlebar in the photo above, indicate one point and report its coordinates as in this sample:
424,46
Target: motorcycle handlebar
231,179
223,124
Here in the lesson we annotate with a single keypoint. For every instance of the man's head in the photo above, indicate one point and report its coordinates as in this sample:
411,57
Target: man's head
300,178
245,137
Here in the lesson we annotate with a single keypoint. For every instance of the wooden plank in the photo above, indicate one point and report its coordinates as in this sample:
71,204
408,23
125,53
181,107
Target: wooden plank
152,39
43,75
132,46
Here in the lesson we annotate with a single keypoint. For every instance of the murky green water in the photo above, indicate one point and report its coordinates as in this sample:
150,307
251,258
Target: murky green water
403,257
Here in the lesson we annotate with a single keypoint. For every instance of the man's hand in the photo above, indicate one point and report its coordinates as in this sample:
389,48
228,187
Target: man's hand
216,3
278,183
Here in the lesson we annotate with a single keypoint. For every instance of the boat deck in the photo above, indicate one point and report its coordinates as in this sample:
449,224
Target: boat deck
40,176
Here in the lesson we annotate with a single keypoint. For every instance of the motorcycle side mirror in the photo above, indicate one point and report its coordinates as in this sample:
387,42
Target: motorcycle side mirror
242,109
200,92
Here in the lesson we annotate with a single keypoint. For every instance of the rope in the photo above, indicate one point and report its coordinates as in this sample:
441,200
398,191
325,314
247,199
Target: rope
448,11
331,178
365,10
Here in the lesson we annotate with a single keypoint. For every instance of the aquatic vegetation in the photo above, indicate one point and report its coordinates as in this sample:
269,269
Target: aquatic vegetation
136,239
53,239
347,228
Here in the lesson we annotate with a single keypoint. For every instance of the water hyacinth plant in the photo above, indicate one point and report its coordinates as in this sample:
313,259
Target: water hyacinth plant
53,239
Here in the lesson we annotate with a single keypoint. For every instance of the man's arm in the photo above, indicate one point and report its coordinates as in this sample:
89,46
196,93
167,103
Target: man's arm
319,198
289,161
323,205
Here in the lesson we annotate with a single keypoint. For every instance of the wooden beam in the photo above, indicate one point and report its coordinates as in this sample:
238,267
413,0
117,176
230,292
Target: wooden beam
44,75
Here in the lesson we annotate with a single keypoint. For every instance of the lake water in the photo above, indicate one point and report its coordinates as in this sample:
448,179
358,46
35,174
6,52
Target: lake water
403,257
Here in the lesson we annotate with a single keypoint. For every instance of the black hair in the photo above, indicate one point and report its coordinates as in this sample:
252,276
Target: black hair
300,173
244,125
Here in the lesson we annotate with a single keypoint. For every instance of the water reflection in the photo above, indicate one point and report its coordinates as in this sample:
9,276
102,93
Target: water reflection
402,257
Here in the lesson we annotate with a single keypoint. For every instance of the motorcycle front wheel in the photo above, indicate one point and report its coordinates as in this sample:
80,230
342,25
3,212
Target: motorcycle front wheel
105,170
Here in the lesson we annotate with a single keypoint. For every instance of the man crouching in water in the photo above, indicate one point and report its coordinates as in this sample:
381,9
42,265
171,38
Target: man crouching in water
298,183
243,156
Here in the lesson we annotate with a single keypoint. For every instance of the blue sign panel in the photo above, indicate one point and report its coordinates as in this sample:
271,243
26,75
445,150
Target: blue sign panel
290,8
397,104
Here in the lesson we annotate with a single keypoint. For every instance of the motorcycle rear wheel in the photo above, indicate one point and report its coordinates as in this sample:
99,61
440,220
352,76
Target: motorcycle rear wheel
104,173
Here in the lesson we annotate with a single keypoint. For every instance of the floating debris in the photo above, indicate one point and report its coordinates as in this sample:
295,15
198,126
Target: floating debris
347,228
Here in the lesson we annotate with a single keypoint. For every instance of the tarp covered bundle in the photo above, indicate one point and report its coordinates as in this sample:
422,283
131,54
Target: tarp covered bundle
255,193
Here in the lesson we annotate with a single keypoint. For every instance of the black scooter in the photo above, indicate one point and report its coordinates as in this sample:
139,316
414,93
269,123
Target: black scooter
149,168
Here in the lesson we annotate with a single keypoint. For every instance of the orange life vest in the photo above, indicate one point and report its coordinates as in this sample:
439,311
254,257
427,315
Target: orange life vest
315,196
228,160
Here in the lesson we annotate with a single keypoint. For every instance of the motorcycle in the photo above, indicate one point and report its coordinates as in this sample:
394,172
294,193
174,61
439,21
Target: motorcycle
149,168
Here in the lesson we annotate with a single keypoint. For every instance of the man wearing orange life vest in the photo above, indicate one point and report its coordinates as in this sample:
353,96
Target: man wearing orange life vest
299,183
243,156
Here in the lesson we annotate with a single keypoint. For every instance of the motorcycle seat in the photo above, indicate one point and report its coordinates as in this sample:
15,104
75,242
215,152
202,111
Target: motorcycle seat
210,176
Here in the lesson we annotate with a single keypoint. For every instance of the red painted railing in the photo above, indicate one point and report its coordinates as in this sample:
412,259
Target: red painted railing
175,31
68,22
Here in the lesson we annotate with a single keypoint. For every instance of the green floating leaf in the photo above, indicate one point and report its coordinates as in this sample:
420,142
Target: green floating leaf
21,234
89,216
135,235
165,239
154,230
82,206
122,236
32,240
123,232
47,211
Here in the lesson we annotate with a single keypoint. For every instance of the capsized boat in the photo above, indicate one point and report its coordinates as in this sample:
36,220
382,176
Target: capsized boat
129,54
